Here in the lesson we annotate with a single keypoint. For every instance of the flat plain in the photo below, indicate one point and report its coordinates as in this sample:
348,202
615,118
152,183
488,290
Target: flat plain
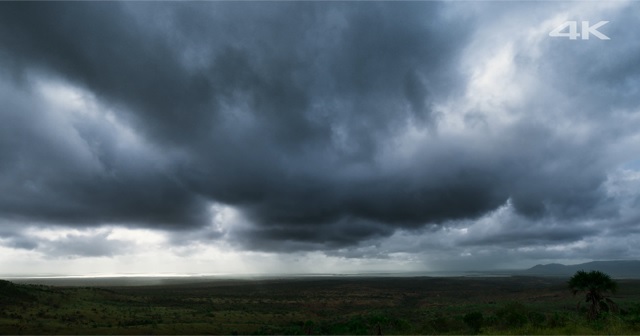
313,305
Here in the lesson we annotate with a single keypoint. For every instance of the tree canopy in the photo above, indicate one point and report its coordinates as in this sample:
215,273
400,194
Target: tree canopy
594,284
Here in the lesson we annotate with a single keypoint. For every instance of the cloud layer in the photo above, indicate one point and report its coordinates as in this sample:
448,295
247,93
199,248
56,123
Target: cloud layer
285,127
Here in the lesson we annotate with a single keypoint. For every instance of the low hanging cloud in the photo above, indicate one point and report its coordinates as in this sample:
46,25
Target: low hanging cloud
323,125
86,243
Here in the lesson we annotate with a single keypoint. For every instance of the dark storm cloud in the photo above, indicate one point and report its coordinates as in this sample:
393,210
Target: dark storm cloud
293,113
97,245
341,233
520,233
80,173
12,237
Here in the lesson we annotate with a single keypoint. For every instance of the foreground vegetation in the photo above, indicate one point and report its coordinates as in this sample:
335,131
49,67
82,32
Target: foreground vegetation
421,305
595,285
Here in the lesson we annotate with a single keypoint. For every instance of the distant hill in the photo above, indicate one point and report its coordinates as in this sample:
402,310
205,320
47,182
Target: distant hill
616,269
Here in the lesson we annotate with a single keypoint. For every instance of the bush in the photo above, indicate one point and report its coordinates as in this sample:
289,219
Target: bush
537,319
439,324
557,320
513,315
474,320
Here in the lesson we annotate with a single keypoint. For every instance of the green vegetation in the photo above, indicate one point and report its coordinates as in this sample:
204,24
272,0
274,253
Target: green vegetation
594,284
474,321
421,305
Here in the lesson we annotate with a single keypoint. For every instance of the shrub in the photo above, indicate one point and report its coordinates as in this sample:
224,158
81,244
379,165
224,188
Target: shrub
474,320
439,324
513,315
537,319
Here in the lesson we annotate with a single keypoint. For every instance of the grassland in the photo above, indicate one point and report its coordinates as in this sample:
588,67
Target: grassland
343,305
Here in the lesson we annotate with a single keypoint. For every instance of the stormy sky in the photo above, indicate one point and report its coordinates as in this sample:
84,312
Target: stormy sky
258,137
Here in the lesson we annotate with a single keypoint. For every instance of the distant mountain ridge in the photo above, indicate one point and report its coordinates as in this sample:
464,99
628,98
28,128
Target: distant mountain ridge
615,268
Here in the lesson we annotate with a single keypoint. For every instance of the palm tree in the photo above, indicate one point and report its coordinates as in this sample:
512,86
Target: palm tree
594,284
